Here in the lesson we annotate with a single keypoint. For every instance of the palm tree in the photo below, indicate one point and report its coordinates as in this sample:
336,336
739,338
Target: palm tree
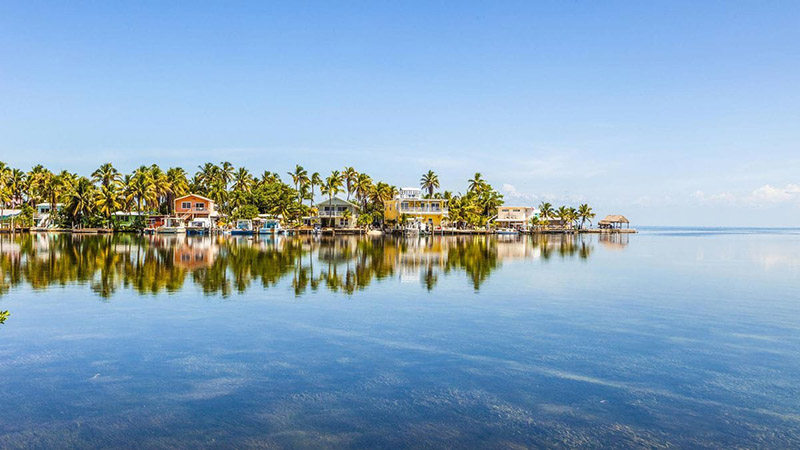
363,187
477,183
178,186
299,177
81,200
242,181
429,181
491,200
226,172
5,197
586,214
206,176
218,192
563,213
268,178
333,184
160,185
315,180
107,201
546,210
17,184
128,191
350,177
52,187
380,194
143,188
106,175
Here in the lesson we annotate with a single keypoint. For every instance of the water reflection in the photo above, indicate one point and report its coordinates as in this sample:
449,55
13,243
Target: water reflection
224,265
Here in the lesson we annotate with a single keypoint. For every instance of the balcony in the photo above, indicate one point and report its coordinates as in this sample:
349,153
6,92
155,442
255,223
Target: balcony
421,210
334,214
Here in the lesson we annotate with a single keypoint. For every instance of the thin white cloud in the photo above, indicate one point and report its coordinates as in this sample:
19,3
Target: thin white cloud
512,193
769,194
765,195
725,198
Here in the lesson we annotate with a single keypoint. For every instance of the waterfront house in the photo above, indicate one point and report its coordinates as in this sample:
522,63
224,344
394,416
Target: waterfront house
614,221
44,217
193,206
517,217
337,213
409,201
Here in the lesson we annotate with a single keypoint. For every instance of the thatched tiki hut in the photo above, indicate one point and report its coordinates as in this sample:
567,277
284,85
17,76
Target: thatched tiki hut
614,221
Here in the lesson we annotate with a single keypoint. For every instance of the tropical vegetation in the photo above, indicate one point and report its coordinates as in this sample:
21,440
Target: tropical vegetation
94,200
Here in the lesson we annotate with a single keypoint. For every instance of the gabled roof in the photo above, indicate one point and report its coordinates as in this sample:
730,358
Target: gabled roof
337,200
614,218
194,195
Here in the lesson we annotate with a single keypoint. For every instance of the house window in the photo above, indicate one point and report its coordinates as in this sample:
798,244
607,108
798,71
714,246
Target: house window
186,205
199,206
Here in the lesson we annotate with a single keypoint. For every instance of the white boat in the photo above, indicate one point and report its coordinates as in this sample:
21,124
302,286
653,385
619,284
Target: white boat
507,231
270,226
199,226
244,227
172,225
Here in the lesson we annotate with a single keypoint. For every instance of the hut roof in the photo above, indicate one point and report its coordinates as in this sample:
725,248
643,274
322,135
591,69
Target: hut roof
614,218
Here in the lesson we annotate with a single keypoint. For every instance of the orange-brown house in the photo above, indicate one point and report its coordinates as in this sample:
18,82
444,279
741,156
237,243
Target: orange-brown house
194,206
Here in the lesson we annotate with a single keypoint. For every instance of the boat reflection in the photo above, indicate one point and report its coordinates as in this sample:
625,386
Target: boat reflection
223,265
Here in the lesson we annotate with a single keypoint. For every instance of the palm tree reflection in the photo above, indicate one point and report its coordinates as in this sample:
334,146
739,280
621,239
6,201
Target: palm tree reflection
151,265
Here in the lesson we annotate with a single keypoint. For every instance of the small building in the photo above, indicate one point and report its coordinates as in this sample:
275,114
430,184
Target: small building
7,217
127,218
45,213
614,221
409,201
337,213
193,206
518,217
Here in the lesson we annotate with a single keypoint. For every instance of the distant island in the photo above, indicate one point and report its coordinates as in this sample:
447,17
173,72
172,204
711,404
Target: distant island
222,197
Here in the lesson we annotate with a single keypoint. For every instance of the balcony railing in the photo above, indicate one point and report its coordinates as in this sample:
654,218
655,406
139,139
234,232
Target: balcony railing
418,210
333,214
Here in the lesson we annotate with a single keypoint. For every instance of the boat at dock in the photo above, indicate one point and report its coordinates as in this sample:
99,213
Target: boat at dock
270,226
172,225
200,226
244,227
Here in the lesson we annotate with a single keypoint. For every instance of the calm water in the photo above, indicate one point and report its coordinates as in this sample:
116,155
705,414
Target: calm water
669,338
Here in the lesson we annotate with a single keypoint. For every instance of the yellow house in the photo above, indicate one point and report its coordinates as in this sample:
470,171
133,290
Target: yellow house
409,201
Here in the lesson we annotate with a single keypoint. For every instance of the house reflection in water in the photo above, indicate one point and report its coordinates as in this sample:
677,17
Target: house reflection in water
195,253
221,265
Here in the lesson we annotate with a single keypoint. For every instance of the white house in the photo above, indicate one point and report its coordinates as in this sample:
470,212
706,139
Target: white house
515,216
337,213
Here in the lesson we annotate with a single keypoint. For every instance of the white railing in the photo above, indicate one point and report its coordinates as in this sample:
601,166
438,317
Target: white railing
332,214
411,210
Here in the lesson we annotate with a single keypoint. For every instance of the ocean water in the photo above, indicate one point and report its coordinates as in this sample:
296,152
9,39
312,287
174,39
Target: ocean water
670,338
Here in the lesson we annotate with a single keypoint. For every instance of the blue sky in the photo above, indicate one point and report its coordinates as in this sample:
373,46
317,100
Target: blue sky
674,113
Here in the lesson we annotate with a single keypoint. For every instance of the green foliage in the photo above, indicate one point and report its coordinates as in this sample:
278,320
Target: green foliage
245,212
4,315
477,206
364,220
134,224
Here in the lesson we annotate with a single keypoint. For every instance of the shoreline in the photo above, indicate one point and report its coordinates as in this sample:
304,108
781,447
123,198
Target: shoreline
342,231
